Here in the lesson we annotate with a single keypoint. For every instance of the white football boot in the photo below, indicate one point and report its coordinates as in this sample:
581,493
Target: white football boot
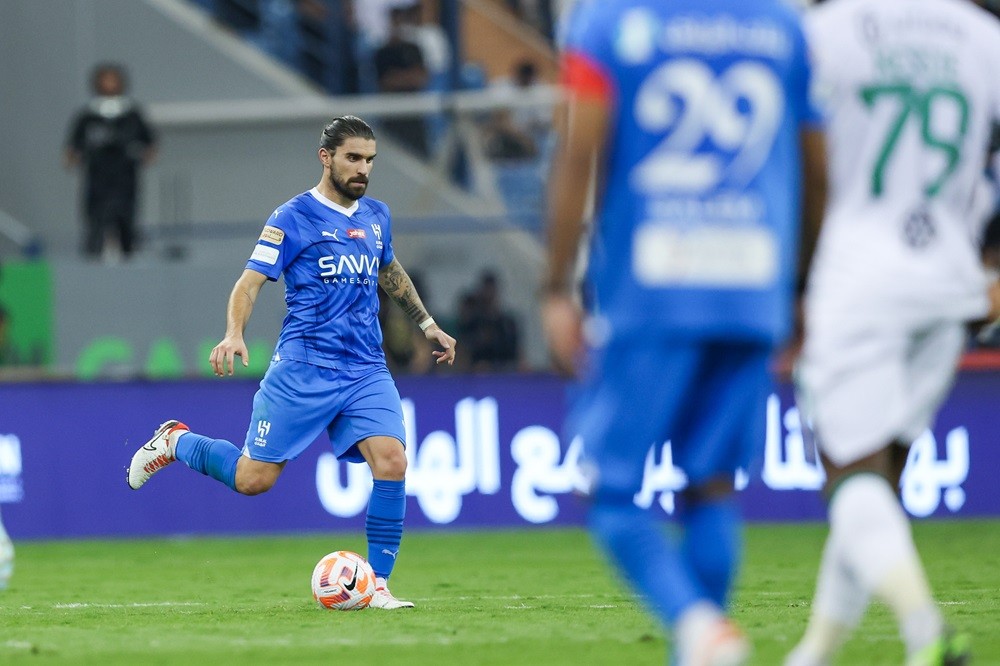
155,454
383,598
722,645
706,637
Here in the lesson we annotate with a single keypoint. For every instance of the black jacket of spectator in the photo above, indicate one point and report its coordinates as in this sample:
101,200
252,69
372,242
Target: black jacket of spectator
110,139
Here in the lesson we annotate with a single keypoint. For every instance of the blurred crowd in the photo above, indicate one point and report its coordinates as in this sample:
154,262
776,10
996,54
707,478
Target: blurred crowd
488,332
409,46
353,46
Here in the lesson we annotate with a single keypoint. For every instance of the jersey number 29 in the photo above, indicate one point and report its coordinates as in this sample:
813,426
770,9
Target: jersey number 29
737,113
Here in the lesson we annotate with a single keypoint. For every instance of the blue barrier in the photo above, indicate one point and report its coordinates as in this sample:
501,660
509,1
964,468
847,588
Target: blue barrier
484,452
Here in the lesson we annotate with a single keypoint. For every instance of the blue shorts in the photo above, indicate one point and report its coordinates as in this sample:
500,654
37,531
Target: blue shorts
297,401
707,398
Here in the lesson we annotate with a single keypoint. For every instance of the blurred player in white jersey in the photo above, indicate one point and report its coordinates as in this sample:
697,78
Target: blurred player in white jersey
912,92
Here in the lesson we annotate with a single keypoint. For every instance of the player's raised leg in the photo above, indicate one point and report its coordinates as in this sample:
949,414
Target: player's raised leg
217,458
386,510
155,454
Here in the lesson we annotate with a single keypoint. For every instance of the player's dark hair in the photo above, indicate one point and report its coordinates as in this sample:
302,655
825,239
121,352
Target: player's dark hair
343,128
103,68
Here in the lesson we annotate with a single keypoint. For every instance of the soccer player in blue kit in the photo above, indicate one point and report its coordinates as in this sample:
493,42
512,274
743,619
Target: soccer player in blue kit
691,123
328,372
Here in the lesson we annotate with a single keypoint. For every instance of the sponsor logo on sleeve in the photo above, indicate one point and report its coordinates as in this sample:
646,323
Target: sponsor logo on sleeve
272,235
265,254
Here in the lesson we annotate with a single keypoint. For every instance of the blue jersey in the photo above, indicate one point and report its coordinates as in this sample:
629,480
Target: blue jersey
330,257
696,231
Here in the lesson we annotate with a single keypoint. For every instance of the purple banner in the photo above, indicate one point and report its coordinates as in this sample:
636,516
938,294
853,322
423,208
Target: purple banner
483,451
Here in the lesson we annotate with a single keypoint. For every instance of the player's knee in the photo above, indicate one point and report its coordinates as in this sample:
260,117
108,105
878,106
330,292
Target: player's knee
879,463
389,463
712,490
254,482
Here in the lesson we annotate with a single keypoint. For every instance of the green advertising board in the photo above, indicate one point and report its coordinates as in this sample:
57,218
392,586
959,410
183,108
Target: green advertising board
26,332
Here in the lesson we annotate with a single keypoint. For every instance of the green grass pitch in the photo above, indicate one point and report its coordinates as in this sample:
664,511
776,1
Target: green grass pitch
533,596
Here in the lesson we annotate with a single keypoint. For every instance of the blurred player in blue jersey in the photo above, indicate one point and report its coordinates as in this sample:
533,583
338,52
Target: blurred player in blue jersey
334,247
691,123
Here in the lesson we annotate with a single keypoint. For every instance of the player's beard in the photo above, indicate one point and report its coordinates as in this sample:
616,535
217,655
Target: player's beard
344,186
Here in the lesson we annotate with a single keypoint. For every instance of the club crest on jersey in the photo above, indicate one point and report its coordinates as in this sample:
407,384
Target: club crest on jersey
377,230
263,429
356,233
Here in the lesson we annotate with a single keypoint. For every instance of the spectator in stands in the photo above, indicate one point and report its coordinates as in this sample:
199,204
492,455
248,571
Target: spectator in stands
490,332
433,41
518,132
328,36
110,139
373,17
400,68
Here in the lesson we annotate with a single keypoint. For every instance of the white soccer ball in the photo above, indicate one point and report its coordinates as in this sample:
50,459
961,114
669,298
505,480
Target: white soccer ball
343,580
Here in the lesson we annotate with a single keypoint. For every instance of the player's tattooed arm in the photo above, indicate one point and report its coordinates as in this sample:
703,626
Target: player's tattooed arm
397,284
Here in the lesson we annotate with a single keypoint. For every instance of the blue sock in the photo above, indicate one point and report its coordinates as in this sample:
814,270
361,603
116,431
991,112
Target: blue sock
384,524
216,458
647,558
712,544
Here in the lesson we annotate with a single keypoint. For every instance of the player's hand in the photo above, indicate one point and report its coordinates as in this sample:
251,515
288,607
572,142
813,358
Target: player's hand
562,321
223,356
445,341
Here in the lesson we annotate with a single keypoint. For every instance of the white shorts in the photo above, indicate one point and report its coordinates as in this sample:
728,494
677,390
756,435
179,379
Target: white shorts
864,386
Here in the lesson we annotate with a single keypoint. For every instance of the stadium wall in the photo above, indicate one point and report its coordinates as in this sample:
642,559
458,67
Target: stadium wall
484,452
216,179
48,48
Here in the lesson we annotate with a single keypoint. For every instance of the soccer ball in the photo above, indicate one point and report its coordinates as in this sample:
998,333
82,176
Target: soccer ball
343,580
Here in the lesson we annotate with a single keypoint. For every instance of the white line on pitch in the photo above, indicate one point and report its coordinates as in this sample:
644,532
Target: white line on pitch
156,604
514,597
